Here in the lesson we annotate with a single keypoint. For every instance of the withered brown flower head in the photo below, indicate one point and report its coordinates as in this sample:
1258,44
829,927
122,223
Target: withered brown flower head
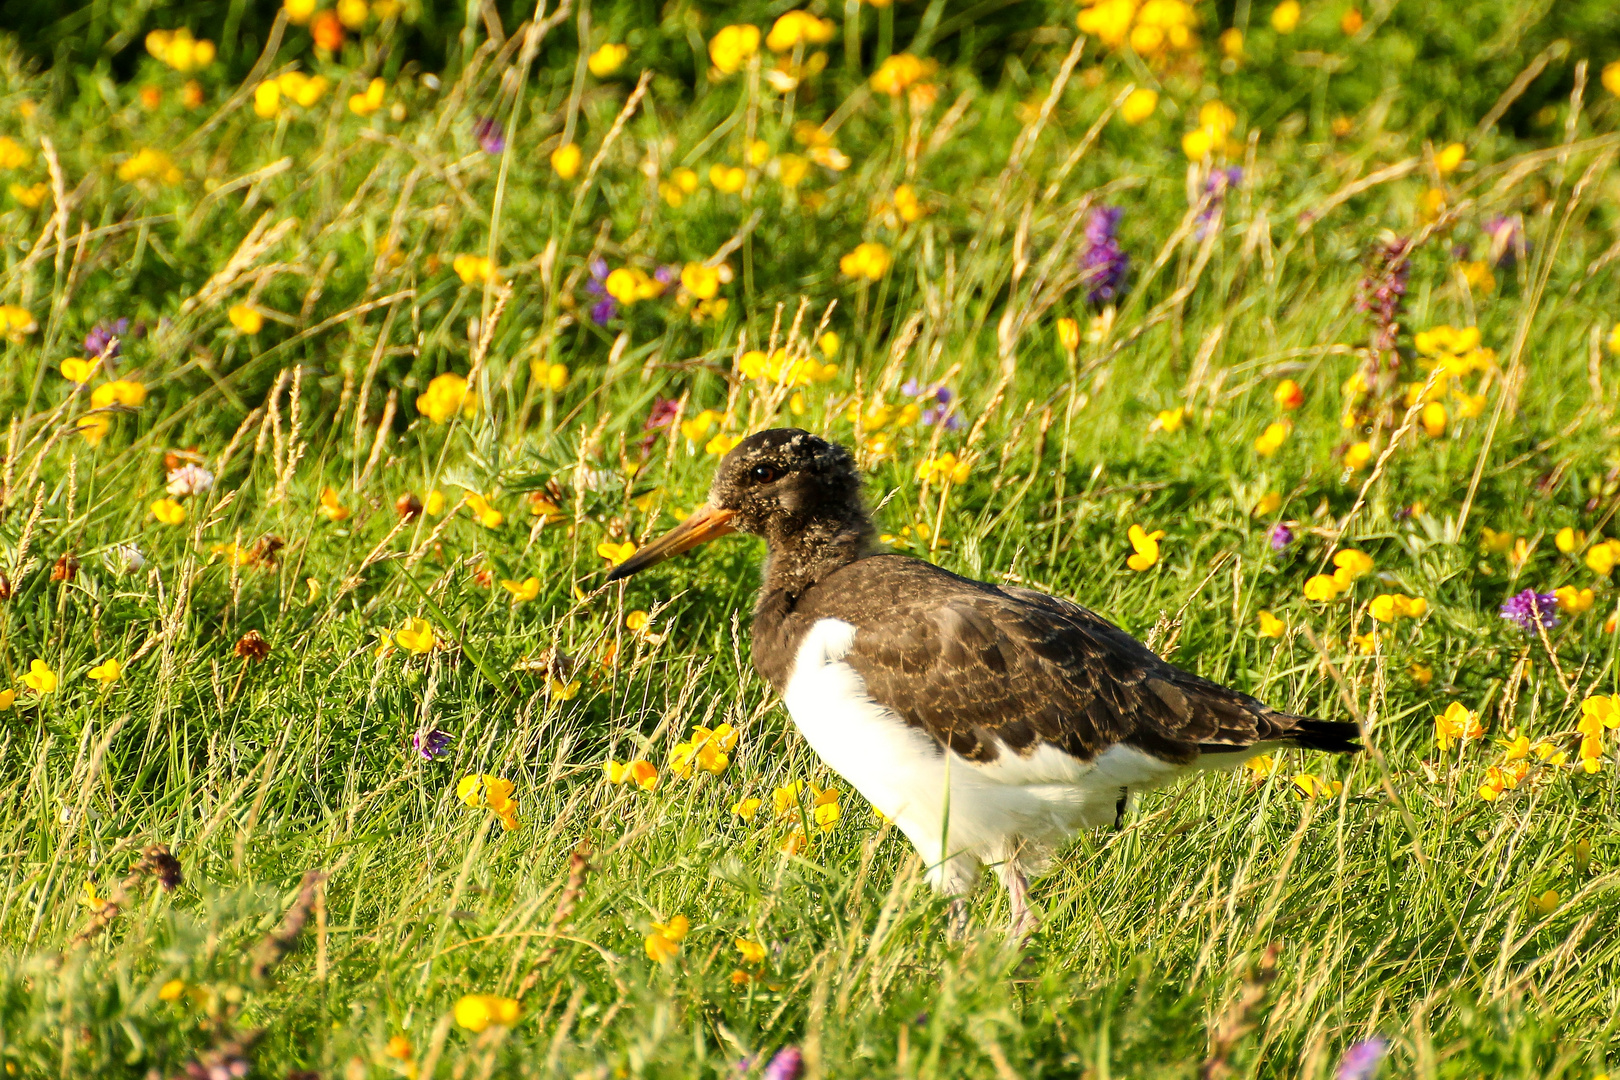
408,505
66,568
264,551
158,862
5,587
252,646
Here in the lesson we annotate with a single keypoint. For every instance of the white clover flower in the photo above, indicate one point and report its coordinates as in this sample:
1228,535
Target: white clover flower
190,480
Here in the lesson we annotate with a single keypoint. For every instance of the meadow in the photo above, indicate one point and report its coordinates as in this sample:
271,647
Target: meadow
347,349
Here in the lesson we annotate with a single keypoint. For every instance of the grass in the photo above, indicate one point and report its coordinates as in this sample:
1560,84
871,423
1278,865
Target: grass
1232,926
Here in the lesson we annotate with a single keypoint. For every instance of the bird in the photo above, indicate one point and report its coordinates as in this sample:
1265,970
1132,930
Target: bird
991,723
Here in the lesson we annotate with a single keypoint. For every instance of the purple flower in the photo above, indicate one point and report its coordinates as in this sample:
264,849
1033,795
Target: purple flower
1361,1061
105,334
1215,188
430,744
490,135
1507,237
786,1065
1280,536
666,275
606,307
663,414
1529,608
1383,290
1103,263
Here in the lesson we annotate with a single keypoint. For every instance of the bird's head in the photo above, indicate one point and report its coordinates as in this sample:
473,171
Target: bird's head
782,484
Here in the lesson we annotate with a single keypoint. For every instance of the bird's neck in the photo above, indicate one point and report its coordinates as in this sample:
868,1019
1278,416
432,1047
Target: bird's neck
801,553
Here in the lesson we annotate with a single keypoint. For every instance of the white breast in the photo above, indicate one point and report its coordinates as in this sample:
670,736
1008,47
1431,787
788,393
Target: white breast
957,813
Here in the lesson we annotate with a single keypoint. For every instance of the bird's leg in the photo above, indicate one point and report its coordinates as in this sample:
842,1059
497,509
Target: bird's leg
1024,922
957,922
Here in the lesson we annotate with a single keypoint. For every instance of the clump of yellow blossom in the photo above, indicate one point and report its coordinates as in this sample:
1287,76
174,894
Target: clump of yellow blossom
1389,607
899,72
1139,105
1271,626
664,942
149,164
492,792
565,160
731,47
13,154
1313,787
615,552
445,396
869,261
39,678
944,468
32,196
643,774
681,183
707,749
1215,123
364,104
106,673
179,50
1269,441
1146,545
522,591
607,59
794,28
1457,724
473,269
415,636
1285,17
245,318
478,1012
629,285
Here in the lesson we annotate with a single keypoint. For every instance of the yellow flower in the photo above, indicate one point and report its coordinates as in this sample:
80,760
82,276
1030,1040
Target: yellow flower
752,951
1573,600
1270,440
1391,606
32,196
1422,674
1358,455
369,102
8,698
399,1048
607,59
1602,557
1449,159
1146,545
701,281
433,505
445,395
1568,540
1611,77
172,991
644,774
732,46
487,515
1478,276
798,27
1231,41
1351,564
1457,723
473,269
1269,504
746,808
1599,712
77,369
1068,332
522,591
1139,104
791,169
1434,419
179,50
870,261
149,164
1271,626
628,285
267,99
1169,420
722,444
697,427
553,377
91,898
1285,16
13,154
615,553
415,636
299,12
665,940
565,160
1322,588
899,72
39,678
331,507
1313,787
305,90
106,673
727,178
477,1012
826,815
1109,21
1261,766
944,468
907,205
118,392
352,13
168,512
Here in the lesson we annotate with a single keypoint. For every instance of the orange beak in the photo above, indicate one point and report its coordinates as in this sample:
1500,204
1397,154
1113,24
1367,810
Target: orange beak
704,525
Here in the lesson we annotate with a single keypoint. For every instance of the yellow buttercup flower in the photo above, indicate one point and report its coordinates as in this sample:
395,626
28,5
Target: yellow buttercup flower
701,281
1139,105
118,392
478,1012
752,951
607,59
722,444
565,160
1068,331
330,506
1573,600
39,678
416,636
1450,159
13,154
169,512
1146,545
732,46
445,396
798,28
369,102
616,553
1270,440
1271,626
870,261
1313,787
522,591
473,269
77,369
487,515
107,672
1456,724
664,942
1285,17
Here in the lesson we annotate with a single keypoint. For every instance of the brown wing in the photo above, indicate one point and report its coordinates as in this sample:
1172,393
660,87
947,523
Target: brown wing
977,666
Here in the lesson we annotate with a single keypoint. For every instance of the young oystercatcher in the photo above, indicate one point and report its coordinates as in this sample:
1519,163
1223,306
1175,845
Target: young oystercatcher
990,723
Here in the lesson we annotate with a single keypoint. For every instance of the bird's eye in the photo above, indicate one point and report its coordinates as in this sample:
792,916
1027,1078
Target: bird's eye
763,474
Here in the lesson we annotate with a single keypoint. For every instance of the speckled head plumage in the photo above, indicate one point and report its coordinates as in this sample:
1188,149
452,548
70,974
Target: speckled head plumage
797,490
778,482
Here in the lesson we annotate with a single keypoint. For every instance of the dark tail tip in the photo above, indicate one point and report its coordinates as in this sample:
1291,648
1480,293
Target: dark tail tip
1329,736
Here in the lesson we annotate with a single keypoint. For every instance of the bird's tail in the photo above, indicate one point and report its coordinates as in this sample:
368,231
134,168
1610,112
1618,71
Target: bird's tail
1330,736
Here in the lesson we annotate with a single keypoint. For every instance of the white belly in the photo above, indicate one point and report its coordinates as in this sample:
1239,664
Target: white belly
957,813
